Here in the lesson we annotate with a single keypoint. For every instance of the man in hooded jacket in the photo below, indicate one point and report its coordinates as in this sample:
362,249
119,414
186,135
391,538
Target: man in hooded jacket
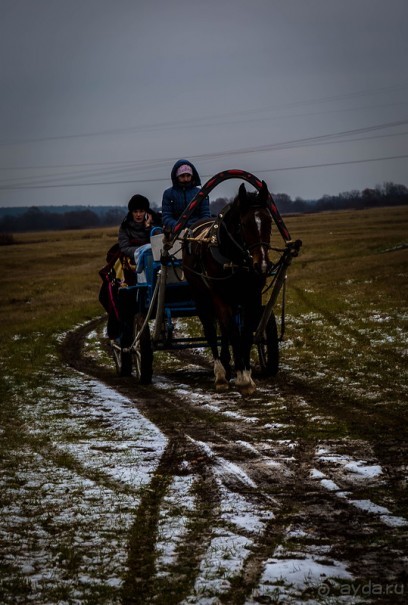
186,184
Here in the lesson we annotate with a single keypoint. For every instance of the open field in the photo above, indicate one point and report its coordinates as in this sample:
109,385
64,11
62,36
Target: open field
116,493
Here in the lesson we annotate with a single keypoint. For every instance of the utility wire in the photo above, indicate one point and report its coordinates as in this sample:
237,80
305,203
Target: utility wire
206,121
287,168
134,166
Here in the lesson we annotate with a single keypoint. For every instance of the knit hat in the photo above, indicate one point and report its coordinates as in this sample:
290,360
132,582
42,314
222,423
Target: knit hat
138,202
184,169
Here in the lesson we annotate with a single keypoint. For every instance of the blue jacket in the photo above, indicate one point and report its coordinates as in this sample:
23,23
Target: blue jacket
177,198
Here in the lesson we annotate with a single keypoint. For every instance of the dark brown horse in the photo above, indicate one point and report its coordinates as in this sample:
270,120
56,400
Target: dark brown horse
226,262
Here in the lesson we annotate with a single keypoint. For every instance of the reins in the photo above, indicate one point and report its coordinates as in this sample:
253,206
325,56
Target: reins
206,277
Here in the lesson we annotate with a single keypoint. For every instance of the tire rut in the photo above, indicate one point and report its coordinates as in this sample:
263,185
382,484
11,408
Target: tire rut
277,474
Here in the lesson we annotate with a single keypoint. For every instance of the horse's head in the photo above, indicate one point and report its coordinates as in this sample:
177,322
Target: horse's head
255,226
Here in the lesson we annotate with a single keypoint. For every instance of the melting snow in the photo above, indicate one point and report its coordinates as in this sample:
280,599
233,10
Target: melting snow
302,572
84,511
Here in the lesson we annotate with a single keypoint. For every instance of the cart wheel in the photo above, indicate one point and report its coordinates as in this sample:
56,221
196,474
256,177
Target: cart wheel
268,349
123,362
142,352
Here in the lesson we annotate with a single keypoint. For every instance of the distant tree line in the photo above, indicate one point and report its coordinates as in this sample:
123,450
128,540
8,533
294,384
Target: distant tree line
38,219
388,194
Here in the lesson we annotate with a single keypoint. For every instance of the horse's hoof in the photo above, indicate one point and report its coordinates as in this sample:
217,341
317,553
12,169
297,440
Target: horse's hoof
245,384
247,391
222,387
221,382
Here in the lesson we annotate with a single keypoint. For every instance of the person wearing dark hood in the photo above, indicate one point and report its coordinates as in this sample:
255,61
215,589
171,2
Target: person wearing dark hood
135,228
186,184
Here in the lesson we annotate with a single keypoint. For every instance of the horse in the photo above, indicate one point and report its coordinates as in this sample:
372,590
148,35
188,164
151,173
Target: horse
226,263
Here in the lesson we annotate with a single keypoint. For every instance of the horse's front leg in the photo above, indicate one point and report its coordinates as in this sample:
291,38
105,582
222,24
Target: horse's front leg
209,324
245,383
221,379
241,340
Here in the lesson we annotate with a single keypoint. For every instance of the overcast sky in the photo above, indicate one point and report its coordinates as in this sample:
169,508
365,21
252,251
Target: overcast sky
99,98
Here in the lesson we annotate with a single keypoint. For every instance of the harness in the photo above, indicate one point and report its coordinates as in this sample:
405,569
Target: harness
211,233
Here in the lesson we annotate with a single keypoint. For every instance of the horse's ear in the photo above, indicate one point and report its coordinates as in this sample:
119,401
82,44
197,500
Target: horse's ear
242,197
242,191
263,193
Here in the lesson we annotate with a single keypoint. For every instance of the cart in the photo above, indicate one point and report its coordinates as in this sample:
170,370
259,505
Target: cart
150,308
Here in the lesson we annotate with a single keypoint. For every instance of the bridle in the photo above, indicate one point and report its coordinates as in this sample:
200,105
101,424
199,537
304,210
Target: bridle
243,249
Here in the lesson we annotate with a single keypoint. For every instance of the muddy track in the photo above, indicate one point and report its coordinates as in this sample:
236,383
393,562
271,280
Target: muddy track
286,441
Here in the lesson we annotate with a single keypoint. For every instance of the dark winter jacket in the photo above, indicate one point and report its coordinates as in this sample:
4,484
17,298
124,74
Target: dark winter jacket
132,235
177,198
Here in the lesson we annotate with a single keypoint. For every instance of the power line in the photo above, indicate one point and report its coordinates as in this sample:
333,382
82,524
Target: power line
282,169
205,121
117,168
393,157
136,165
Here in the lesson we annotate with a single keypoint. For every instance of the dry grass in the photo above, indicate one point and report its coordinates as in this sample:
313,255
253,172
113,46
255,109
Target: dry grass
358,254
347,306
51,280
362,254
352,265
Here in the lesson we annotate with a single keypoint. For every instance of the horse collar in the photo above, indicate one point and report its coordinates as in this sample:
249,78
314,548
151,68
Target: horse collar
214,233
215,243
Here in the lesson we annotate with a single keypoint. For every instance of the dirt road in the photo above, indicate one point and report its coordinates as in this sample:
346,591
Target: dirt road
284,497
